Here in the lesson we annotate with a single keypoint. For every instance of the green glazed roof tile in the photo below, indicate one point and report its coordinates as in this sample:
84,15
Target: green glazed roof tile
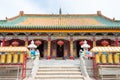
14,24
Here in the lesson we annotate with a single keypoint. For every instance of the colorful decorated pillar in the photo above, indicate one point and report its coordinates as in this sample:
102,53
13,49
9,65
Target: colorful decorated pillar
94,41
49,48
26,45
71,48
45,49
26,41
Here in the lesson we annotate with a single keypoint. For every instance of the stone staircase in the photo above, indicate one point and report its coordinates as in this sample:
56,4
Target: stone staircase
8,77
59,70
10,72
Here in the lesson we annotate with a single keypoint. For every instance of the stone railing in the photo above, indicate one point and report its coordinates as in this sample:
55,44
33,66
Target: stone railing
34,69
84,69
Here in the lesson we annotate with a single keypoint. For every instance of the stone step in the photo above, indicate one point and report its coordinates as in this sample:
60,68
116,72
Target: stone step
50,70
59,76
59,73
59,68
59,79
57,65
8,78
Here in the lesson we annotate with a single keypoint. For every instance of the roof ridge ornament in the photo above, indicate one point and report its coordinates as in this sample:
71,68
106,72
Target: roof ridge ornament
6,18
99,13
60,11
21,13
113,19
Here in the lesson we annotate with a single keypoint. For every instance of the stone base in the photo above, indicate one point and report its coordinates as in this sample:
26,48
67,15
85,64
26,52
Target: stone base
71,57
48,58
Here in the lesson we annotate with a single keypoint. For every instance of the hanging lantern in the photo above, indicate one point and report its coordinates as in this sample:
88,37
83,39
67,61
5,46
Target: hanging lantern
81,43
60,43
105,43
38,42
15,43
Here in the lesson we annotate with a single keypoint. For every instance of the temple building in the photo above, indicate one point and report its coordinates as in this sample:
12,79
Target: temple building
59,35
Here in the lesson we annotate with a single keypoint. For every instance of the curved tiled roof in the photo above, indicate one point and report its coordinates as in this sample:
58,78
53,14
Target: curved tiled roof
59,22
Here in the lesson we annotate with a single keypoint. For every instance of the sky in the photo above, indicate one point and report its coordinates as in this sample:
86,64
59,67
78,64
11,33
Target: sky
109,8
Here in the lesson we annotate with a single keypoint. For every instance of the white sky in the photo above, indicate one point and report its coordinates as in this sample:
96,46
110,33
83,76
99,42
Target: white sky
109,8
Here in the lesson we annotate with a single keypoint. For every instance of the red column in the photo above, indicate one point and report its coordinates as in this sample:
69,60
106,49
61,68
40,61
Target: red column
3,42
24,68
117,41
71,49
94,42
49,48
26,41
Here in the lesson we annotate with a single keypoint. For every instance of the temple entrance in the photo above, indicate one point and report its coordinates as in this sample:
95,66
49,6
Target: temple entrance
41,49
15,42
78,47
110,42
60,51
